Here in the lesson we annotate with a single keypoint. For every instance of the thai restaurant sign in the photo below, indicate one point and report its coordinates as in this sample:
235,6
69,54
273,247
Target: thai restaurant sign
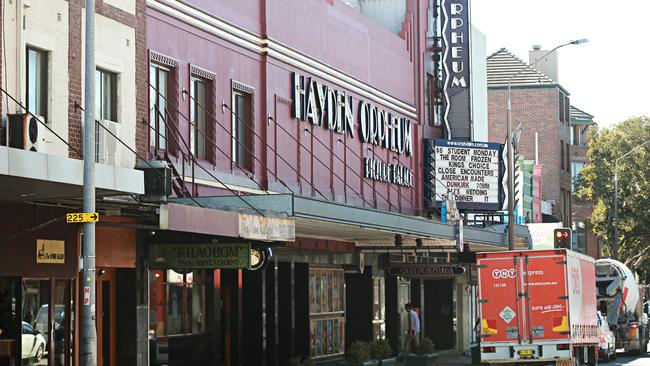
256,227
469,173
196,256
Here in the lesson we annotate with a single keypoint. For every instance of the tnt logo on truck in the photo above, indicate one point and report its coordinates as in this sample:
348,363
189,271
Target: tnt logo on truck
504,273
576,280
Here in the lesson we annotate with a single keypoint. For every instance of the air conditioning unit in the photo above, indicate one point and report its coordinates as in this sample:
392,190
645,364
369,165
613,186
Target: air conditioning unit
24,131
107,148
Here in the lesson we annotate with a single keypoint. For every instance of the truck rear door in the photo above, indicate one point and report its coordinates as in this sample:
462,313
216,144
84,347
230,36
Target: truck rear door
498,297
545,299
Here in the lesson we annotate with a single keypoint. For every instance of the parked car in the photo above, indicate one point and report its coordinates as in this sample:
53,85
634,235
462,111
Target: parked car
33,343
607,345
40,323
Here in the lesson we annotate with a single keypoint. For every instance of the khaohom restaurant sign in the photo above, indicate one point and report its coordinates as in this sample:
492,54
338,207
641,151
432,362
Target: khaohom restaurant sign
197,256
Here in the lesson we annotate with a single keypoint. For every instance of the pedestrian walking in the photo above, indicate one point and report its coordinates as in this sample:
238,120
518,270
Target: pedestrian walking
413,332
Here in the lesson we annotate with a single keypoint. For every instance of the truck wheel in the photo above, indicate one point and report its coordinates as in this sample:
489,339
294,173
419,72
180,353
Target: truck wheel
592,357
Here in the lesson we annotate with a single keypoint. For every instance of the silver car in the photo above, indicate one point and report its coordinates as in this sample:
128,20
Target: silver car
607,343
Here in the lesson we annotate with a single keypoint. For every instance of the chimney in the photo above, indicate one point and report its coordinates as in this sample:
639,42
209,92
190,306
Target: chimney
548,65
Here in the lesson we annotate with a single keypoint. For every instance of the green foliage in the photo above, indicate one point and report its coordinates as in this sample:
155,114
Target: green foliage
358,352
380,349
596,185
426,346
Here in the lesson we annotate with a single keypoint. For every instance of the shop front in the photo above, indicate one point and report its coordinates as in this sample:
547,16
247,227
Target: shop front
38,267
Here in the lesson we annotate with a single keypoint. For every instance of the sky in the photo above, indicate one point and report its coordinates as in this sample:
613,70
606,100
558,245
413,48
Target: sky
609,76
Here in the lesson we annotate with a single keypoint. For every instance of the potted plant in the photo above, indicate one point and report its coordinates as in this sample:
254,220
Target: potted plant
381,351
358,354
424,356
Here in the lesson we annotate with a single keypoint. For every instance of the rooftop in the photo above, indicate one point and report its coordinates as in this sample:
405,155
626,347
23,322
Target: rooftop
578,116
503,65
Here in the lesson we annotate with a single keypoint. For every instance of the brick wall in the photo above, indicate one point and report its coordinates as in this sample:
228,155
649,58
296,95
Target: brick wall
75,59
537,111
75,88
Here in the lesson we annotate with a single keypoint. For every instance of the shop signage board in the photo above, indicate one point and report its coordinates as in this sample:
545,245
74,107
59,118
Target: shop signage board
50,251
79,217
470,173
256,227
427,271
197,256
456,93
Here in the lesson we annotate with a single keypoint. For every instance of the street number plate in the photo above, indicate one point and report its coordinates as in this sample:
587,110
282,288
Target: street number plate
526,352
73,218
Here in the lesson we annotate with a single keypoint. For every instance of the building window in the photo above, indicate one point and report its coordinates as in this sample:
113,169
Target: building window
158,94
576,166
565,108
378,308
577,136
561,101
430,102
105,95
326,312
37,82
177,303
561,155
579,237
568,157
242,125
198,91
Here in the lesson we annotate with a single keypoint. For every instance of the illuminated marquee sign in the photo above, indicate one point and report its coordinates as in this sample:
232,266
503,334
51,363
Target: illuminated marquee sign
470,173
333,109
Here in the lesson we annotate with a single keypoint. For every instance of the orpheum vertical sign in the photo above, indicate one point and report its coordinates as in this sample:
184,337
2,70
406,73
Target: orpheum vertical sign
455,69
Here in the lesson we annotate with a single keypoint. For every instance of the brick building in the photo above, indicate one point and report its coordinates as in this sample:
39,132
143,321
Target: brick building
41,174
584,239
541,106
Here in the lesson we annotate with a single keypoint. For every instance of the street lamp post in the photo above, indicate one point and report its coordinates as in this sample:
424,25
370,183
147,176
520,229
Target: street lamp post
511,193
614,253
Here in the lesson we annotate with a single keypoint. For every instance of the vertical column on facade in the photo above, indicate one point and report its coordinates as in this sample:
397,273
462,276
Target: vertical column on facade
358,308
392,312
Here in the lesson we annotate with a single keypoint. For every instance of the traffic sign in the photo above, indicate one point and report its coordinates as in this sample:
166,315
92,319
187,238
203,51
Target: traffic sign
75,218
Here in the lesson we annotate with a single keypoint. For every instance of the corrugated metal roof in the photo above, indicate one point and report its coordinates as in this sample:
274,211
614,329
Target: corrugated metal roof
580,114
503,65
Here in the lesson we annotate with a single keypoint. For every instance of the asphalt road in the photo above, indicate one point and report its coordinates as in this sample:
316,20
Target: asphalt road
626,360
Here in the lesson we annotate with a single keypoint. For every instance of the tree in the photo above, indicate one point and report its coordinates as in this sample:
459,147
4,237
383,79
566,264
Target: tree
597,186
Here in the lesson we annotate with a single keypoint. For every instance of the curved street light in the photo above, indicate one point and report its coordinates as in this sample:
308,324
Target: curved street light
511,194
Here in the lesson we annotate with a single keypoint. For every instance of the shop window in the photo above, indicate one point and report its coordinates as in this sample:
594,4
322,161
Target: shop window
198,92
177,303
242,127
37,82
326,312
379,308
105,95
158,97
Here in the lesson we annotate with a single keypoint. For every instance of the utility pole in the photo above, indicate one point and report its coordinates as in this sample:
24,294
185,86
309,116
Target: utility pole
88,342
511,153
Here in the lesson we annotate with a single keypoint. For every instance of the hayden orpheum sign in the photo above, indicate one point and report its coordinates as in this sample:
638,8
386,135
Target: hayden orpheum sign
334,110
455,68
469,173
